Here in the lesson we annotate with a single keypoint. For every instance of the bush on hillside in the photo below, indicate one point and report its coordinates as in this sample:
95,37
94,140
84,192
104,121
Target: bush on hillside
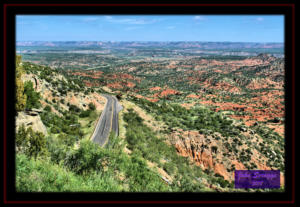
33,98
92,106
30,142
84,114
85,159
20,96
48,108
74,108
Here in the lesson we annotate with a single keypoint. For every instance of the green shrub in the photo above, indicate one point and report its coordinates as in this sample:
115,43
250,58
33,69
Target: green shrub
55,130
48,108
169,168
56,149
20,95
41,175
68,140
33,98
114,142
30,143
186,185
224,183
144,143
74,108
92,106
143,179
21,137
84,114
86,158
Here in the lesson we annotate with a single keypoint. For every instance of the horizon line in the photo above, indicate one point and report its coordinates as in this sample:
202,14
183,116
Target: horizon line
136,41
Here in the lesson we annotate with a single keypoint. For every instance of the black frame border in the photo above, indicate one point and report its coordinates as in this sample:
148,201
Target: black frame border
9,10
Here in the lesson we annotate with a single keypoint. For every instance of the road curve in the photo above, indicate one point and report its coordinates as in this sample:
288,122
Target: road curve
109,120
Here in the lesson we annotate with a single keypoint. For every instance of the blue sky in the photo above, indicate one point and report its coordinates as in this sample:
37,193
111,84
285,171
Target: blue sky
233,28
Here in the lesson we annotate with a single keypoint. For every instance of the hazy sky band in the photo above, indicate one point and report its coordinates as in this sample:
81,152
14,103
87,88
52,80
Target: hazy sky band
233,28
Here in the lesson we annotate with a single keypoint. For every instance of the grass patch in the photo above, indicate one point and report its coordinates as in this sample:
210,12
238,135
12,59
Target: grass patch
89,124
42,175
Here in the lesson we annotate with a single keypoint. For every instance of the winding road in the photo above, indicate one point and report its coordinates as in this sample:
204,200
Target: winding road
109,120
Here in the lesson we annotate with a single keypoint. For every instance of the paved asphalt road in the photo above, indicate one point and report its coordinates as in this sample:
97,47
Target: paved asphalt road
108,121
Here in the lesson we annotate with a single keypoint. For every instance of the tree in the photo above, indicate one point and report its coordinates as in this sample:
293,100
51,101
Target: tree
74,108
30,142
119,96
48,108
21,136
92,106
214,149
55,129
33,98
86,158
85,114
20,96
37,143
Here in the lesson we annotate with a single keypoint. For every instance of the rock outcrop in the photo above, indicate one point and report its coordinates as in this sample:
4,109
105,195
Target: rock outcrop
33,121
210,152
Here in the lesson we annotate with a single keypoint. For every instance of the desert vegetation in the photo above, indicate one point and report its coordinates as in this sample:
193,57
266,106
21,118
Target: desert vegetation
189,119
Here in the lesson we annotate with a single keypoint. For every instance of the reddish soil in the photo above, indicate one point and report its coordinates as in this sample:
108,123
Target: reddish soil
193,96
166,92
90,84
115,85
157,88
264,106
149,99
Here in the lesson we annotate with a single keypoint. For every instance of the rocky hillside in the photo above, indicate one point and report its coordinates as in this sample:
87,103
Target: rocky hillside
57,93
249,89
216,142
186,124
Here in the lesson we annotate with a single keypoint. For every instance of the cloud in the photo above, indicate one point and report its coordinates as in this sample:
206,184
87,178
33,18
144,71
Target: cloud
259,19
108,17
130,20
199,18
